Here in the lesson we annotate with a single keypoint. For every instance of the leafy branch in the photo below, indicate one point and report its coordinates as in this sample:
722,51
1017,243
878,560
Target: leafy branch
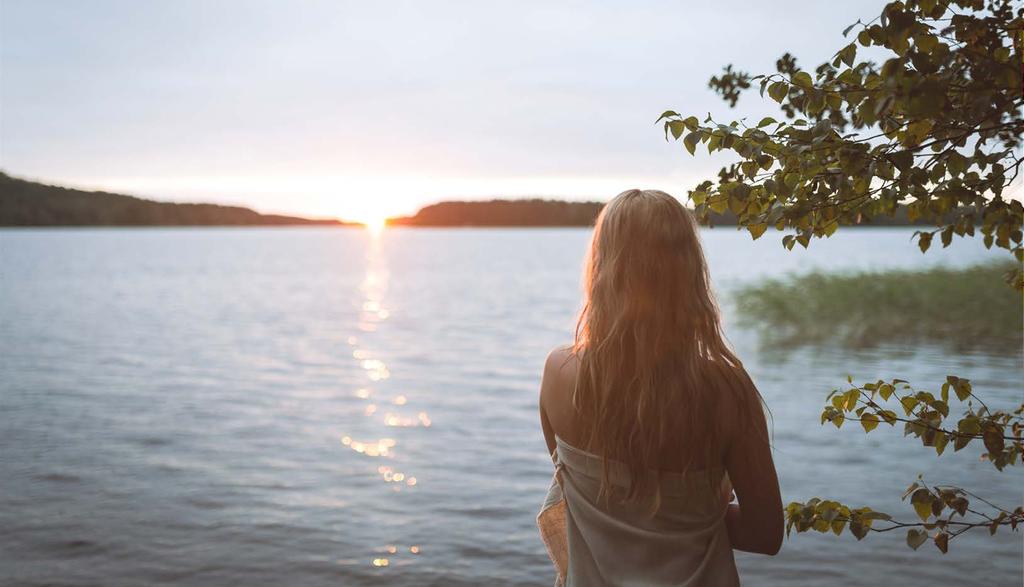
927,417
935,129
945,511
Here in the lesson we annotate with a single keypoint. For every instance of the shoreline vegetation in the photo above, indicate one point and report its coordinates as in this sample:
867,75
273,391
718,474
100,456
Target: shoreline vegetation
27,203
968,308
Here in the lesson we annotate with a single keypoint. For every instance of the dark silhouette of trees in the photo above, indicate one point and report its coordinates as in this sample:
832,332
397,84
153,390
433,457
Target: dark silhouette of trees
27,203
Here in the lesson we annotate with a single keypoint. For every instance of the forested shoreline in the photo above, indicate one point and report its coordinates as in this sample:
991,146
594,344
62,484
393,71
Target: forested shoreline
29,203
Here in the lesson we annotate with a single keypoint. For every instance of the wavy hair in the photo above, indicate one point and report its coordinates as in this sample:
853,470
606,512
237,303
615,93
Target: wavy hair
653,361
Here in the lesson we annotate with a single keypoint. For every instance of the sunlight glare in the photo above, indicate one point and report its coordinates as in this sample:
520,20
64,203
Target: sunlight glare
375,224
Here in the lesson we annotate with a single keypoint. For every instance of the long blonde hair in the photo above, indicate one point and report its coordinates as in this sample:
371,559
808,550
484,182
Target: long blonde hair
653,361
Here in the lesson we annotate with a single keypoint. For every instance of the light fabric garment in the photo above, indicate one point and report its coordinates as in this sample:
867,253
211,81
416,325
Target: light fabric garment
685,543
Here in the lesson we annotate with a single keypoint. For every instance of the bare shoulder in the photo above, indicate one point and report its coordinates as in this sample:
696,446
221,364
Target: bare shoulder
559,378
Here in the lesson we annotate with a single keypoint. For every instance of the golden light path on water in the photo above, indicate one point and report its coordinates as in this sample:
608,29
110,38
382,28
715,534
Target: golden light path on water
373,313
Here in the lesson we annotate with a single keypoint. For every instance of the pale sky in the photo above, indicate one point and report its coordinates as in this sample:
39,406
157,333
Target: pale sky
358,109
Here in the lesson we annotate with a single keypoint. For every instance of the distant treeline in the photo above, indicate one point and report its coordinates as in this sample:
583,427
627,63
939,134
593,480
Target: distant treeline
27,203
538,212
535,212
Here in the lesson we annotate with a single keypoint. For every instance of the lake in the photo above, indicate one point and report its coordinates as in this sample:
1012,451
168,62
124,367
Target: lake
318,406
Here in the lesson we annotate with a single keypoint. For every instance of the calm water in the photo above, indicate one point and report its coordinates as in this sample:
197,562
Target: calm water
294,406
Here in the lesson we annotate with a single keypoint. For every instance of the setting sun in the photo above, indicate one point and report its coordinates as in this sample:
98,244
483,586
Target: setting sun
375,223
370,214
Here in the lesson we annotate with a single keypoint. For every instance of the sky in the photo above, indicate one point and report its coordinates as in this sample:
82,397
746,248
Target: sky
365,109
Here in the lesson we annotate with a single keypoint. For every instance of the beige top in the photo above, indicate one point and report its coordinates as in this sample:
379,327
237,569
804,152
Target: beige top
685,543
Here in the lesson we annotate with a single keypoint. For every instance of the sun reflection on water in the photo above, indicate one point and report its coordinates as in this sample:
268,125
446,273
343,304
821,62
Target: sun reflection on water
393,552
390,475
376,369
378,448
370,358
397,421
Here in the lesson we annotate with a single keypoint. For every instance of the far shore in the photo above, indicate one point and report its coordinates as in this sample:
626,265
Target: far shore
29,204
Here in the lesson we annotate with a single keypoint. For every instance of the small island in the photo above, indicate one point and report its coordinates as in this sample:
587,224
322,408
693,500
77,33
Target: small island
508,213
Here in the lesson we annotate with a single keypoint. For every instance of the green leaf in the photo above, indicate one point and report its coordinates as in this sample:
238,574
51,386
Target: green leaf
993,439
915,538
858,529
837,526
960,504
962,387
917,131
909,403
925,42
922,502
902,160
756,230
941,439
777,91
942,542
869,422
676,127
848,54
690,142
960,441
666,114
767,120
851,398
719,204
803,80
924,240
947,236
885,390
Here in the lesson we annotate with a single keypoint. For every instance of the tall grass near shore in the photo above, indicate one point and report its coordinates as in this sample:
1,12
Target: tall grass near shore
968,308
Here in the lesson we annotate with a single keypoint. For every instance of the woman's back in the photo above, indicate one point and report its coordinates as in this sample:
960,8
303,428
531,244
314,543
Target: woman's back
647,414
561,374
680,540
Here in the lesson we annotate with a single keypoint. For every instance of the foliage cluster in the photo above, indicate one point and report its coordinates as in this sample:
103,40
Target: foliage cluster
945,512
936,127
